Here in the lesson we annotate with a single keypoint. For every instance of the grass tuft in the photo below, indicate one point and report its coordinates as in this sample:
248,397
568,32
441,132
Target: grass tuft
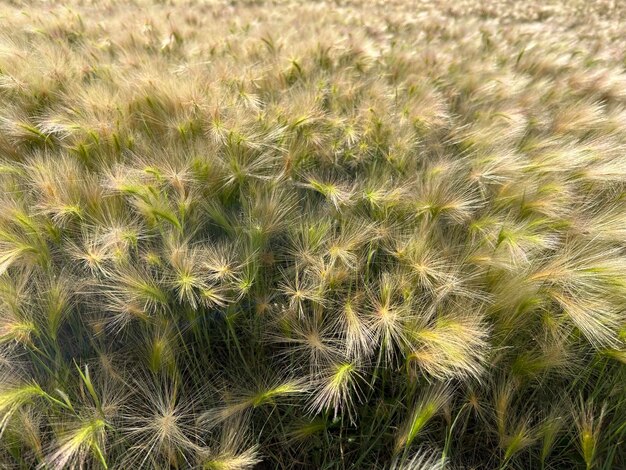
250,234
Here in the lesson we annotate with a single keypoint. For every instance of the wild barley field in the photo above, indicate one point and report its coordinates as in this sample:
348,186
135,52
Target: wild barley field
313,235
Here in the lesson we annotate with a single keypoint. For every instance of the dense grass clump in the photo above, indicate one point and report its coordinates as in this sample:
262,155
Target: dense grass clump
336,235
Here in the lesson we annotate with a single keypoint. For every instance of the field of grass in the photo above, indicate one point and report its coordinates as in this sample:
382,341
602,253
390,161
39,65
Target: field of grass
313,235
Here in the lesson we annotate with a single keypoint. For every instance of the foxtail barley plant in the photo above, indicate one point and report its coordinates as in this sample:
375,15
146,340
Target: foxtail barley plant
284,234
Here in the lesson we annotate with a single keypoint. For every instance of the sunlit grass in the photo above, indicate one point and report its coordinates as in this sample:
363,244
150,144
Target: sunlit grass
320,235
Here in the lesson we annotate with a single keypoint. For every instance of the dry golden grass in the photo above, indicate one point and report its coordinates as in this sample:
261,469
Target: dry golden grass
296,234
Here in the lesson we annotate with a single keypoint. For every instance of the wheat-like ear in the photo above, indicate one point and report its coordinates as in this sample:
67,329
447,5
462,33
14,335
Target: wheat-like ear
247,157
311,343
379,197
159,428
221,262
352,325
517,243
27,430
15,396
301,291
550,429
161,344
64,191
78,444
19,325
344,248
604,223
595,316
617,354
237,403
187,278
110,238
503,394
90,253
156,208
388,317
233,452
423,459
588,418
307,240
16,330
269,210
587,286
425,266
427,406
336,389
134,293
305,429
338,193
275,391
15,290
23,241
57,300
21,131
552,355
228,459
441,195
520,436
452,345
